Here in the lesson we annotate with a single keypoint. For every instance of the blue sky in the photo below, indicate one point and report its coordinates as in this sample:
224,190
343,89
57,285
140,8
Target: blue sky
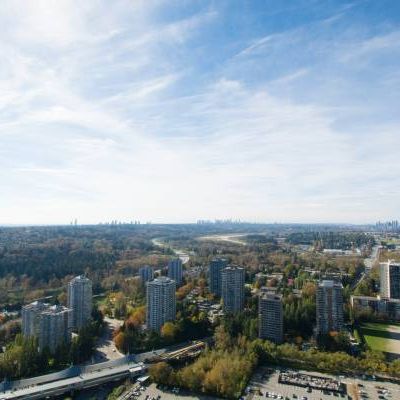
173,111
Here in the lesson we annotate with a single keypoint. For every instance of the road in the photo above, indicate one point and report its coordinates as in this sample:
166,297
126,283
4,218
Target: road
232,238
105,349
184,256
369,263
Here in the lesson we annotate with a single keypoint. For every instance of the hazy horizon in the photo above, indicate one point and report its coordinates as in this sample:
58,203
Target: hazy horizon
178,111
199,222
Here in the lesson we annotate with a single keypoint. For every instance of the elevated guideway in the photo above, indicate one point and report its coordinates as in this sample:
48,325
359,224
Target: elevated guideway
78,378
72,379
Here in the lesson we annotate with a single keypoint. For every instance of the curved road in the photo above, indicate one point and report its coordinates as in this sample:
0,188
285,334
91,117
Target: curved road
184,256
105,348
232,238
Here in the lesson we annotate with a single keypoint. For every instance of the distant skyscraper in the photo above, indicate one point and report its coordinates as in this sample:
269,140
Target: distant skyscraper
232,289
270,317
161,302
390,279
146,274
215,275
51,325
80,301
175,270
329,307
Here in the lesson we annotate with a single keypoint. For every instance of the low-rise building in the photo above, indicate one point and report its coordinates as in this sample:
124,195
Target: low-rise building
381,306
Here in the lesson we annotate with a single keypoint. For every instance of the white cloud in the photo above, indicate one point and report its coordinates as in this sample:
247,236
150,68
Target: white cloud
372,46
103,117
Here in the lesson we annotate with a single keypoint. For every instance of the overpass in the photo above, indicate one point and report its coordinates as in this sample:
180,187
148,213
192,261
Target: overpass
71,379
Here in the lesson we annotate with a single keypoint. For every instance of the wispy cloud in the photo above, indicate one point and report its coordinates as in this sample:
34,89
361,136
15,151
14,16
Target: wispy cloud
372,46
147,110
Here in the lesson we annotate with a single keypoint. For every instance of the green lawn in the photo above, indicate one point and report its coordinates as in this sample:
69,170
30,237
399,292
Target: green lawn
99,299
382,337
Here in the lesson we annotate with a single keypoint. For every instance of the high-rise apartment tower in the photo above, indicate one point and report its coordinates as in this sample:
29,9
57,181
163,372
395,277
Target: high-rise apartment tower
80,301
270,317
161,302
329,307
215,275
232,289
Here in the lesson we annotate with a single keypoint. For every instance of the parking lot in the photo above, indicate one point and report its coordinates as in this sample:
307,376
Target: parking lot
151,392
265,384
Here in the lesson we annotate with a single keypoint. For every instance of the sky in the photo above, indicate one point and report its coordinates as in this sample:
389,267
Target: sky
178,110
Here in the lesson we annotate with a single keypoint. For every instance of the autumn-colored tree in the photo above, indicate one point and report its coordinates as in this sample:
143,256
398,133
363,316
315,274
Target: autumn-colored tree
169,331
222,339
161,372
183,291
119,340
309,290
120,305
298,340
137,317
273,282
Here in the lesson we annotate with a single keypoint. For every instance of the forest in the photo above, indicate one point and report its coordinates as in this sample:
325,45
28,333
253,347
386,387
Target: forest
332,240
22,358
225,369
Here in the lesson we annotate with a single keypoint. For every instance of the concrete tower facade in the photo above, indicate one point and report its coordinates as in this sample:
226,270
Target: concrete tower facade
175,270
390,280
329,307
215,275
270,317
80,301
51,325
161,302
146,274
232,289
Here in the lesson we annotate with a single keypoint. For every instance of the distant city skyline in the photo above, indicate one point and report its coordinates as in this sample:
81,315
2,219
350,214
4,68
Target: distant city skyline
167,112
